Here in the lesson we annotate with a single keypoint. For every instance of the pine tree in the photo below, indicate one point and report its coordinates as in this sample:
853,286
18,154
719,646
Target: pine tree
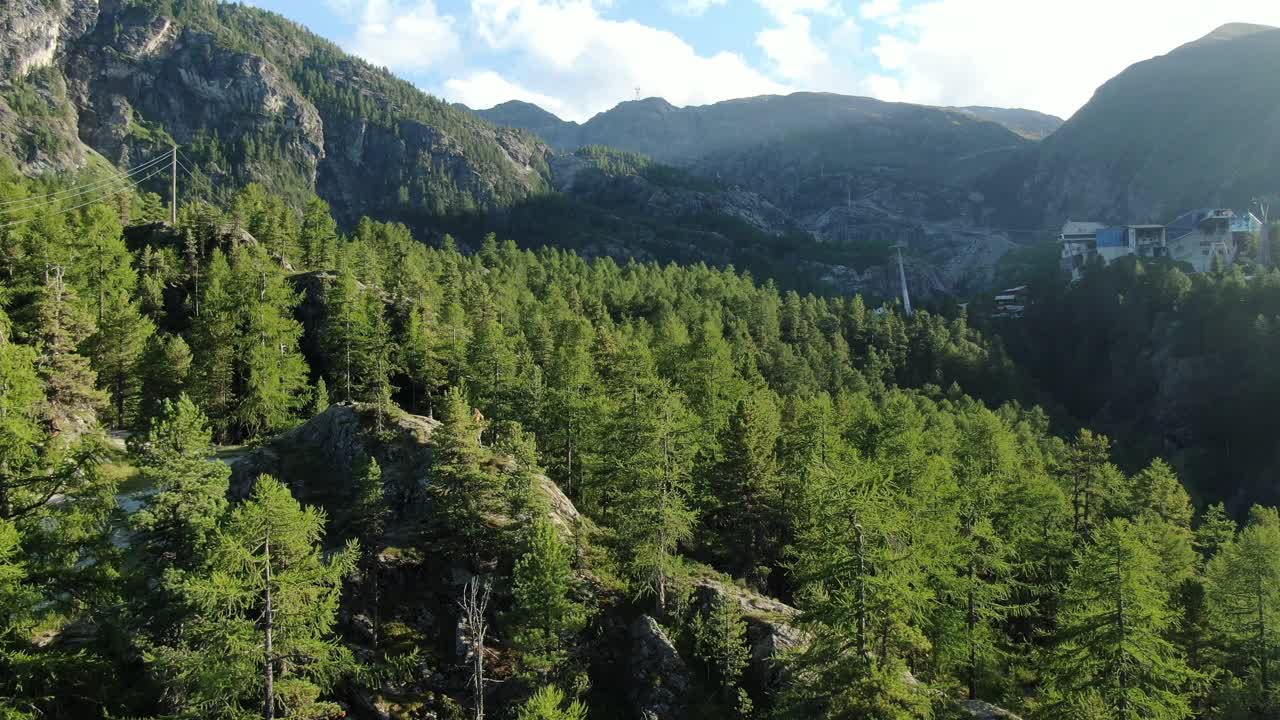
419,357
1244,593
68,378
345,332
369,517
319,398
214,339
378,359
747,488
491,369
466,492
1111,636
720,636
549,704
274,370
573,408
164,371
1095,484
260,634
656,459
543,614
21,428
983,582
116,351
176,525
1216,530
319,235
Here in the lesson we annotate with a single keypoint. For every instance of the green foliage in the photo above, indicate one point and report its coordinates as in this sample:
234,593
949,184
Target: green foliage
720,636
177,525
1088,344
1111,644
267,579
466,490
549,704
620,163
1244,596
544,615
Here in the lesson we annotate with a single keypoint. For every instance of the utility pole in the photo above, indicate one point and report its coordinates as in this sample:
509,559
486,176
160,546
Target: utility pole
173,187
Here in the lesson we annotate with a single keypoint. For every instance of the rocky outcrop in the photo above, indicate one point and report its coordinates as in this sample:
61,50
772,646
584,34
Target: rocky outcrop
638,195
980,710
659,680
770,628
319,458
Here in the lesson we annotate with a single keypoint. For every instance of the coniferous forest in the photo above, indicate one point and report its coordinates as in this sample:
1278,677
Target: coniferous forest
679,489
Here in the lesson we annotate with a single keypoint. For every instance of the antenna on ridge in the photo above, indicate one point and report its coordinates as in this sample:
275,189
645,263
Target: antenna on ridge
637,93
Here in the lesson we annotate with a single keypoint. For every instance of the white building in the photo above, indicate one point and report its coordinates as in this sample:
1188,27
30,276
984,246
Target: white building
1202,236
1084,241
1079,242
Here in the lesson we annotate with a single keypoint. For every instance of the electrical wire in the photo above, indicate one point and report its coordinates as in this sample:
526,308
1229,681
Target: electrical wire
132,185
54,198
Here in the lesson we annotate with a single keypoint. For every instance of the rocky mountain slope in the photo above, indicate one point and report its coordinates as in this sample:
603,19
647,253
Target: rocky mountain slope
678,135
854,173
251,97
815,185
1199,126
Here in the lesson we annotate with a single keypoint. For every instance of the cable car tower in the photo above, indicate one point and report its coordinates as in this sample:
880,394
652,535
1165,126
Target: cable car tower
902,277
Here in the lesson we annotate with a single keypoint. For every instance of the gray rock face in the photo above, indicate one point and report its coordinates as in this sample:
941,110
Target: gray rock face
34,32
985,711
140,73
318,459
770,628
634,193
659,677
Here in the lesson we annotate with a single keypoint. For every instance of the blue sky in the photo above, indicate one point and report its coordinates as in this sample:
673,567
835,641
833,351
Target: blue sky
579,57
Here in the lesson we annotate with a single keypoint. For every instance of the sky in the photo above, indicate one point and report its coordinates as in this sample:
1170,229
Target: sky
577,58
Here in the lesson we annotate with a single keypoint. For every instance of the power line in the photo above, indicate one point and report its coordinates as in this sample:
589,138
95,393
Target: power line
132,185
58,197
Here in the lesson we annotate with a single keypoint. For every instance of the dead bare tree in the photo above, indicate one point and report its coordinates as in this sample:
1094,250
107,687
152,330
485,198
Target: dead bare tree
474,604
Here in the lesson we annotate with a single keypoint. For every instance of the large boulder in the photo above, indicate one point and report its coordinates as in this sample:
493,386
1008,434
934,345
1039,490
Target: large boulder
659,682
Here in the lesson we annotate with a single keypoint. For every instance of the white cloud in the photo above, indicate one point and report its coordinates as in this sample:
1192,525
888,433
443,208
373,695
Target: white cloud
693,8
1047,55
485,88
567,50
879,9
795,53
812,44
401,34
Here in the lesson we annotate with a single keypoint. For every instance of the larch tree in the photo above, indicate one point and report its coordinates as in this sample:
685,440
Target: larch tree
544,614
720,637
467,492
177,524
69,380
346,327
273,369
1111,640
746,488
657,459
214,339
1244,594
260,636
164,371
